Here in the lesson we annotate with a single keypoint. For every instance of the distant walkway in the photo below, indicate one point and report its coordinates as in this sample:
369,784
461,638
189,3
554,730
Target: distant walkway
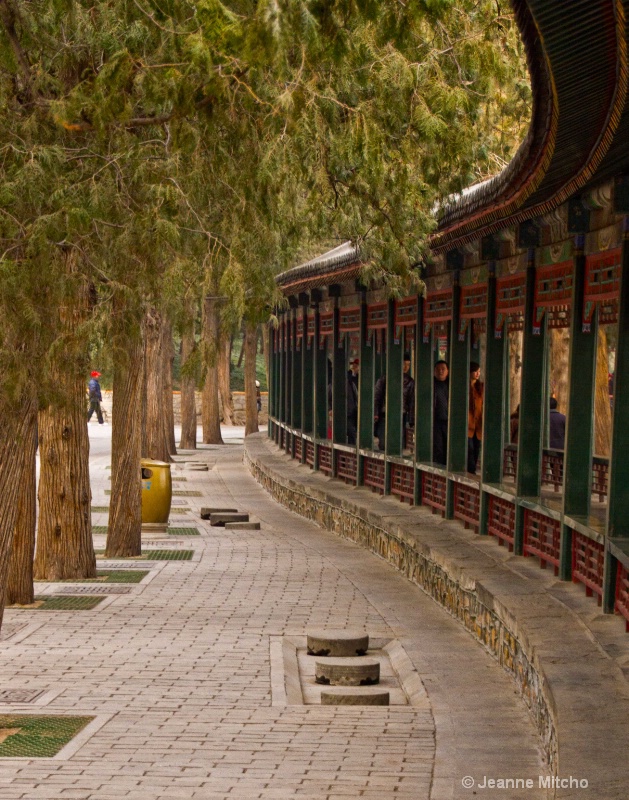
180,670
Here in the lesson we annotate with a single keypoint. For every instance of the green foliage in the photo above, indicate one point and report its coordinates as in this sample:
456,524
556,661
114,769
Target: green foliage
184,147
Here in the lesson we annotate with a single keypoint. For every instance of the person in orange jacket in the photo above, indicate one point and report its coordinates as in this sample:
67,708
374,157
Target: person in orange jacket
474,417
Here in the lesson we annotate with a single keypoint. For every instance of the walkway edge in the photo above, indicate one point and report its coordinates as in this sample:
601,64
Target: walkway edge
577,695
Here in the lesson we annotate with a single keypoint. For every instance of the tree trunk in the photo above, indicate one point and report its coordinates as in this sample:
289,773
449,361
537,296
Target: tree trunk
15,433
155,445
264,348
188,399
64,536
559,359
124,532
602,408
241,355
515,368
210,409
20,579
168,350
224,378
251,407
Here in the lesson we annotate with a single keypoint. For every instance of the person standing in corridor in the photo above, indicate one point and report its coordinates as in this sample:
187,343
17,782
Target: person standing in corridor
96,398
474,417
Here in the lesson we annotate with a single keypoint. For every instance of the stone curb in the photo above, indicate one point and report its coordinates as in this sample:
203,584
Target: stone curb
577,694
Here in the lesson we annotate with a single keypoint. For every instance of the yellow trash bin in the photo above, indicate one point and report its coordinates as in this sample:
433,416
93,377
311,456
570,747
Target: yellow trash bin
157,491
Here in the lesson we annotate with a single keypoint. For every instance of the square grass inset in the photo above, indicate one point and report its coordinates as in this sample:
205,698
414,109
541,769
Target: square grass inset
167,555
100,509
68,602
37,736
183,532
110,576
99,528
154,555
186,493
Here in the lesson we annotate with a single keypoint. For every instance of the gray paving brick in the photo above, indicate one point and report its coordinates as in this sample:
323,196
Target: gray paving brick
183,666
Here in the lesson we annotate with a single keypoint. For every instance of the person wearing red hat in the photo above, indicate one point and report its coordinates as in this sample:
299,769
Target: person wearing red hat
95,398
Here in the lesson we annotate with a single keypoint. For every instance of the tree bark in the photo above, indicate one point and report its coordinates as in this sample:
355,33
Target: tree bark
515,368
264,348
602,408
168,350
210,409
20,578
155,445
14,438
224,378
251,408
188,439
64,535
124,532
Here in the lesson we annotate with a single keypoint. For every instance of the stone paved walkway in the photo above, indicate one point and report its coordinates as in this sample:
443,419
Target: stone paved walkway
178,672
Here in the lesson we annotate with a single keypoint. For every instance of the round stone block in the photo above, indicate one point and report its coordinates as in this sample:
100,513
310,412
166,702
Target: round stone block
340,698
347,672
340,644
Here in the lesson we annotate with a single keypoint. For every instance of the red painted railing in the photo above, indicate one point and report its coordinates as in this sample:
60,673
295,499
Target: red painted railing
310,453
542,538
588,558
501,520
434,491
373,474
403,482
346,466
622,593
467,504
325,459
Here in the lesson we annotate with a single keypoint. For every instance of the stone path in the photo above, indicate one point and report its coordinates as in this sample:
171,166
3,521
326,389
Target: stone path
178,672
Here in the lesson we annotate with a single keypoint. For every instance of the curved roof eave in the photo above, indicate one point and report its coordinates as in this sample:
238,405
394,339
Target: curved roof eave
579,98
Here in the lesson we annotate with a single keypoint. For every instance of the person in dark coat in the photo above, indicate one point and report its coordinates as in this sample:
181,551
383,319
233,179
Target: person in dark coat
96,398
408,401
441,397
557,427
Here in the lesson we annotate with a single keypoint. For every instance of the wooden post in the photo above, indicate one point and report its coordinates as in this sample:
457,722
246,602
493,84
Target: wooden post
394,394
493,403
296,377
307,373
459,383
618,497
534,354
339,382
365,389
577,464
320,400
424,382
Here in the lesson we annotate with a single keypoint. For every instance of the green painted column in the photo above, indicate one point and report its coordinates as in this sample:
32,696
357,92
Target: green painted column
493,402
531,428
618,498
365,389
532,401
282,372
393,416
424,382
307,374
288,368
320,400
271,396
339,382
577,465
459,383
296,377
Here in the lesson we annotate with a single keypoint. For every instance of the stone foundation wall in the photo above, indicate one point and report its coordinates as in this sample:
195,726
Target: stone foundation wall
238,399
465,602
